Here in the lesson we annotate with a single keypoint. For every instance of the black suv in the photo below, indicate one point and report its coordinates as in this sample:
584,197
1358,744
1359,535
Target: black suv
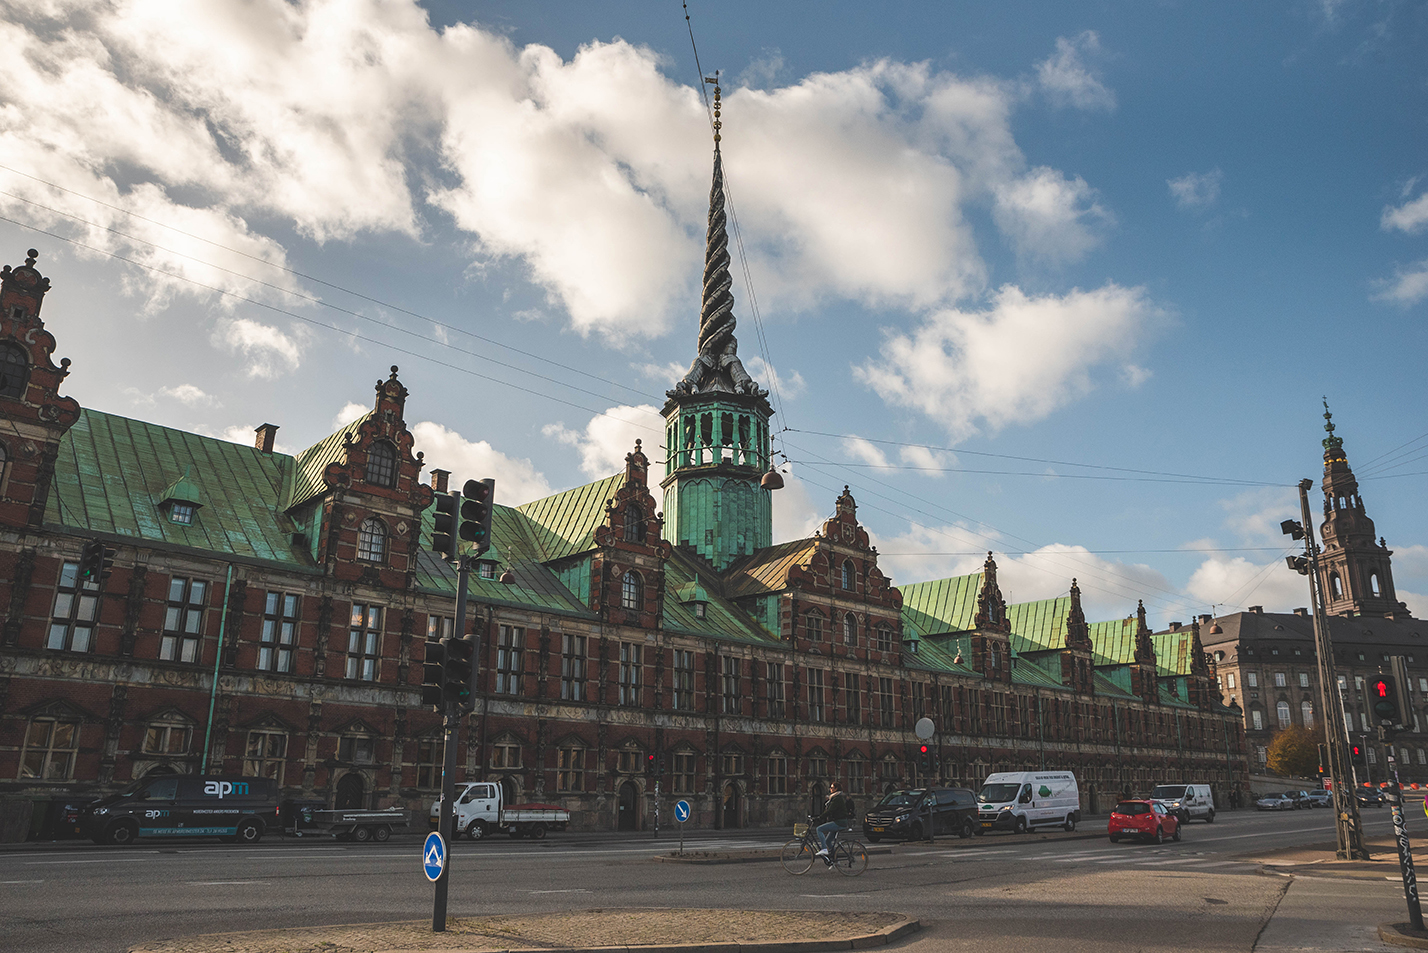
903,814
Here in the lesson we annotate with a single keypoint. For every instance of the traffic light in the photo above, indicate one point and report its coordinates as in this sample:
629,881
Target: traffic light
433,675
459,673
443,532
650,765
477,498
1323,761
1387,708
925,759
106,561
1357,753
91,560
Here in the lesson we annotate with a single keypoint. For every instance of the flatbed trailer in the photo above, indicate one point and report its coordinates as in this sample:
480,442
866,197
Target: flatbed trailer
311,820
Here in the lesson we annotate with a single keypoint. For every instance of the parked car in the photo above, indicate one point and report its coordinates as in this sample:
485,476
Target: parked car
1370,797
903,814
1301,798
1144,819
237,809
1321,798
1022,800
480,810
1186,801
1275,802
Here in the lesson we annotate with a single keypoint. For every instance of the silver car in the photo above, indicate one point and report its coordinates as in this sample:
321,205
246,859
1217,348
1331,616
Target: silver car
1275,802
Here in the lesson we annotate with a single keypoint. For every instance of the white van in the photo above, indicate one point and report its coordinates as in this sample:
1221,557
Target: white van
1022,800
1186,800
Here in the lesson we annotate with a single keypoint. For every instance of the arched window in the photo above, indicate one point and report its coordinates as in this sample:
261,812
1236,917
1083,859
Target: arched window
632,591
1336,586
850,629
634,524
1281,711
382,464
14,370
1373,584
372,540
1306,712
847,574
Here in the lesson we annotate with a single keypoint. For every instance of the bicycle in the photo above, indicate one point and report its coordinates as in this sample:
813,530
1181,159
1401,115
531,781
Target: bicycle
849,857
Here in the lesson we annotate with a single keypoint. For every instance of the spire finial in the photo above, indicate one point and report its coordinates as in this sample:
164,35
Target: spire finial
1333,446
714,81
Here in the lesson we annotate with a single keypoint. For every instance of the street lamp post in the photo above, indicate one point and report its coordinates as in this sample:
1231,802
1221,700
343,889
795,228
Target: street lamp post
1349,830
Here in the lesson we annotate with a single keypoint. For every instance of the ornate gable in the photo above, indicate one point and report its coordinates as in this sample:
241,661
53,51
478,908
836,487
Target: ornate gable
1076,671
627,568
1143,672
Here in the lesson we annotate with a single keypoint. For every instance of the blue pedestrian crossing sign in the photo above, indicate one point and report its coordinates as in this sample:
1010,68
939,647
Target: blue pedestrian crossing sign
433,856
681,811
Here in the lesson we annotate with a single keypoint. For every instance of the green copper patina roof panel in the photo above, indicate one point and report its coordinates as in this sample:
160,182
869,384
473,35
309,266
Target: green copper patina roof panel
112,473
1113,642
940,652
1028,672
1173,652
942,605
1039,625
1169,692
535,586
722,619
767,569
307,477
1113,683
564,524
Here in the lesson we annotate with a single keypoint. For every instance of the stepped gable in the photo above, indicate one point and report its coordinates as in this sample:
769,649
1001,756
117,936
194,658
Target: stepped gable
627,568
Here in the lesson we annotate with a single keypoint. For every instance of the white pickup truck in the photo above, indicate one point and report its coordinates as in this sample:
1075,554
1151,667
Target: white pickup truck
479,812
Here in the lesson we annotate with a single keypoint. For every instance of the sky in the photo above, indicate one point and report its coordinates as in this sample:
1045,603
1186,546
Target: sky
1065,282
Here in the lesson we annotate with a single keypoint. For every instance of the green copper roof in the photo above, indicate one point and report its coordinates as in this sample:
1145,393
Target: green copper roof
1029,672
1039,626
307,478
942,605
1174,652
112,473
722,619
1113,642
564,524
183,489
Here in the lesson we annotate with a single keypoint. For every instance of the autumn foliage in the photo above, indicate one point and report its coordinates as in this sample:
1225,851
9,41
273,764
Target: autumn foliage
1294,752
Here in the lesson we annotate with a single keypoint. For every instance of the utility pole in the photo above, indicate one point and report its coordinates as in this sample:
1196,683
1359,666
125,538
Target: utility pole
1348,828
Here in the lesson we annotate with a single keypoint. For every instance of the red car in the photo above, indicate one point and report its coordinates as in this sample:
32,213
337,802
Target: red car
1143,819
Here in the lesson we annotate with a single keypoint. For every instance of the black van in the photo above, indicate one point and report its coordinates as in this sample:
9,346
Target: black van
903,814
239,810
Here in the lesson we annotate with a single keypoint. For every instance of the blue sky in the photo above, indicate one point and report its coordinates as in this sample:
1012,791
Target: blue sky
1147,237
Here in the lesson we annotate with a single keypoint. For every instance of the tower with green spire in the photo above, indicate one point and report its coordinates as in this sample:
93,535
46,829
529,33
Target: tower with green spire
717,420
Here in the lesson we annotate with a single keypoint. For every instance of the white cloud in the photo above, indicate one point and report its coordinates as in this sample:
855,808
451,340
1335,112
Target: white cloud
1409,285
350,412
1410,217
667,375
1232,582
1254,515
1068,81
789,385
269,351
189,394
517,479
1016,362
606,439
1195,191
1410,577
1047,215
865,451
929,462
795,514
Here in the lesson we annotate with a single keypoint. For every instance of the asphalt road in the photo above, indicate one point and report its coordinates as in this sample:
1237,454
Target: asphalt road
1002,891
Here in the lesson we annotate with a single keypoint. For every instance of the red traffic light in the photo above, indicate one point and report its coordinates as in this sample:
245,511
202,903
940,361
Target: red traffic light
924,749
1382,688
1357,751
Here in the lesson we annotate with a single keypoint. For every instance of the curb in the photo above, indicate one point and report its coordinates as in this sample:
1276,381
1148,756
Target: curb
1398,934
741,857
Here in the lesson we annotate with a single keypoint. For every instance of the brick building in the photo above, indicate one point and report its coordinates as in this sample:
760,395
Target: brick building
266,614
1267,664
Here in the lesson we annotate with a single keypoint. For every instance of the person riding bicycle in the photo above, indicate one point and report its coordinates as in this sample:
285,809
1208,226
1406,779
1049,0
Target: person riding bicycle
837,815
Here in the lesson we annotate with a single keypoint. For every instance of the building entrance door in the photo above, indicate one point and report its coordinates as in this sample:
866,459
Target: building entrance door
731,805
350,789
629,801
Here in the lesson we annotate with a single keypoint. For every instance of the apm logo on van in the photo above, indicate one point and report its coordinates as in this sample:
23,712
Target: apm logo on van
222,788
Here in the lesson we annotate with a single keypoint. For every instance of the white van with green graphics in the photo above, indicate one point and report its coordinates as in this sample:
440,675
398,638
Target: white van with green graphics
1021,801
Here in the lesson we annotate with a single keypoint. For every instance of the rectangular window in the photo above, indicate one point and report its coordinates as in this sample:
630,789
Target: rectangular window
510,644
817,766
684,772
1423,684
570,764
439,627
75,612
919,700
815,694
506,754
279,635
1257,719
1261,754
266,754
729,697
732,765
170,738
572,669
776,781
857,776
883,640
356,749
630,658
773,689
854,692
1372,755
51,745
683,680
1252,679
1230,680
1359,681
1278,679
183,620
364,634
885,702
1422,756
1363,721
631,761
429,763
813,626
1303,679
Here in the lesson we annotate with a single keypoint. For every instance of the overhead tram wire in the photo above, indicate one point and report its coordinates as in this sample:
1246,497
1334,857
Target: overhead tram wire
739,243
326,304
330,327
294,272
1369,463
1192,481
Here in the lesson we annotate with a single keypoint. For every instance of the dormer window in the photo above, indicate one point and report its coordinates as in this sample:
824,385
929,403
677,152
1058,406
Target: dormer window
382,464
181,513
632,592
14,370
181,499
486,569
372,541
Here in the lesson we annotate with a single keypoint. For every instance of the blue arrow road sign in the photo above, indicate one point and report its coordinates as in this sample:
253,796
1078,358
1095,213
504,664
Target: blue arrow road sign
433,856
681,811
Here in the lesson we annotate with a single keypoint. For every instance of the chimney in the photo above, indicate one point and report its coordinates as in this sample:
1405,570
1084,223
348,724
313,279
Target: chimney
1257,610
1301,611
440,479
266,434
1175,627
1204,619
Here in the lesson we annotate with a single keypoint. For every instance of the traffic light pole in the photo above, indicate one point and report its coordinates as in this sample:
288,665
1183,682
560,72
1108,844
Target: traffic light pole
451,726
1348,828
1405,853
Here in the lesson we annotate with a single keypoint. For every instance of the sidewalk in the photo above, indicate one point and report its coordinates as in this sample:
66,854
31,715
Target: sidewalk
648,931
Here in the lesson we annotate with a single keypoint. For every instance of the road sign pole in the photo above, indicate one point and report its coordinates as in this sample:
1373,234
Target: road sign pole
656,808
1405,852
451,725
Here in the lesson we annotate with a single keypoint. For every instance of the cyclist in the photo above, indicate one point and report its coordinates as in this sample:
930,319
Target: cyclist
837,815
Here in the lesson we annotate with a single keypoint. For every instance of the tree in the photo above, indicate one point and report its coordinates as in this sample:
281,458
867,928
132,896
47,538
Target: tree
1294,752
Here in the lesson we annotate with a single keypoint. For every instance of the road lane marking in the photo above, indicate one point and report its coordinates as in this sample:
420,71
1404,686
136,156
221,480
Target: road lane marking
222,883
9,882
577,890
98,860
